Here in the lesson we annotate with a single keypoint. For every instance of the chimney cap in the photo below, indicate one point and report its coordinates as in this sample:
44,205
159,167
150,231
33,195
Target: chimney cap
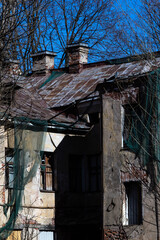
41,53
10,60
73,45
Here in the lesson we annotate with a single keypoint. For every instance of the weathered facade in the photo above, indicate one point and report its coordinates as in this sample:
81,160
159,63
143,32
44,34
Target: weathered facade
88,183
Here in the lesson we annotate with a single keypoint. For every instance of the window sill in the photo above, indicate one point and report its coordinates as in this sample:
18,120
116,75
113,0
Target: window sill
127,149
78,192
133,225
47,191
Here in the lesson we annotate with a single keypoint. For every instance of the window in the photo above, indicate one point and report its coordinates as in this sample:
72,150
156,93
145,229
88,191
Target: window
132,204
9,157
47,166
84,173
43,235
10,177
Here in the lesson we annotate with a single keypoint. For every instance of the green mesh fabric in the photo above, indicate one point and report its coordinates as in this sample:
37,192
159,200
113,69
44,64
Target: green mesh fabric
27,147
144,133
54,75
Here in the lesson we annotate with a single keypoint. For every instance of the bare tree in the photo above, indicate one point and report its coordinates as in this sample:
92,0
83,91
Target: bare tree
139,32
86,21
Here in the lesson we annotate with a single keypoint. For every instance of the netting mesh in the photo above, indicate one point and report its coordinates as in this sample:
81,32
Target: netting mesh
26,159
144,133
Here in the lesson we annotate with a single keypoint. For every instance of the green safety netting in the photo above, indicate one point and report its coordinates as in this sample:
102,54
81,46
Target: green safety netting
144,135
28,145
54,75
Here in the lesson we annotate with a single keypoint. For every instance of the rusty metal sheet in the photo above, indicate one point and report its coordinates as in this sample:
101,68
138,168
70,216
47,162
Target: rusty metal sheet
24,104
69,88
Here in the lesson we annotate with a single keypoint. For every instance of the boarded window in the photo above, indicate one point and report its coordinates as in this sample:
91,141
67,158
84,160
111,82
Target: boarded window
15,235
46,235
84,173
47,166
133,203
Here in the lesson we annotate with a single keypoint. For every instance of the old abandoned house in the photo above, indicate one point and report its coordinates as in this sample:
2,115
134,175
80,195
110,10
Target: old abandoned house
79,149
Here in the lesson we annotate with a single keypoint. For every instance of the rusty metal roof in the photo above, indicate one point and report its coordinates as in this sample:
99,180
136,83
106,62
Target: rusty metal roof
28,107
61,90
37,96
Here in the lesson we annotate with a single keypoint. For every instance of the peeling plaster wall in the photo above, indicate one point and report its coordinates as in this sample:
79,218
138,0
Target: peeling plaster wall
38,208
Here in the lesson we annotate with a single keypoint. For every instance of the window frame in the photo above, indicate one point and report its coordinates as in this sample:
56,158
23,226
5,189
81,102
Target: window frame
9,153
44,172
130,216
13,152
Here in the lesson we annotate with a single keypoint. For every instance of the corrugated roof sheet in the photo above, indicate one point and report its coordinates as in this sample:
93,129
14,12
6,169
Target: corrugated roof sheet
67,88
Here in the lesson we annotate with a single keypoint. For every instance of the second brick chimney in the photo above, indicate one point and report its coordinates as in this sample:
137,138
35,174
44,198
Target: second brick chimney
43,62
77,55
11,66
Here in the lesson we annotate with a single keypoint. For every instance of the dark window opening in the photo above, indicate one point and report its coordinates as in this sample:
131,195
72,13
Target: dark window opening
94,118
47,168
84,173
133,200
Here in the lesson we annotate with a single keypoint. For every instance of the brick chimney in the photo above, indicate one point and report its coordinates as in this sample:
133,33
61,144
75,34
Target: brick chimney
43,62
11,66
77,55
